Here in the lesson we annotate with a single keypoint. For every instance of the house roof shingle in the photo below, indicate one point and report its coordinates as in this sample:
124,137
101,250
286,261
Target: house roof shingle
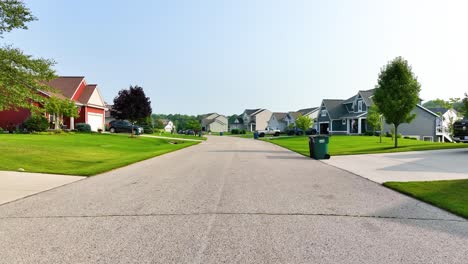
66,85
335,108
87,92
366,96
279,115
306,111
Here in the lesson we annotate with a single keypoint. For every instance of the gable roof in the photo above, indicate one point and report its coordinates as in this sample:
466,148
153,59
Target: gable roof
349,100
366,96
87,93
251,111
306,111
438,110
335,108
427,110
66,85
279,115
296,114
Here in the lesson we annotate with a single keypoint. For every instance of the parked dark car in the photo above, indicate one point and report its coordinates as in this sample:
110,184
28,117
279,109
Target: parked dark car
190,132
117,126
181,132
460,131
295,132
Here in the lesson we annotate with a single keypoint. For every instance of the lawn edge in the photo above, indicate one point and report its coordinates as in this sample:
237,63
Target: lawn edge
394,188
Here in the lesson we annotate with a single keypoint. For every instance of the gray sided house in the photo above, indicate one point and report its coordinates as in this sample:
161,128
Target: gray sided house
214,122
238,123
279,121
349,117
255,119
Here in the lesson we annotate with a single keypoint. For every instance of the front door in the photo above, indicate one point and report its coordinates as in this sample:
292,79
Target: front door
324,128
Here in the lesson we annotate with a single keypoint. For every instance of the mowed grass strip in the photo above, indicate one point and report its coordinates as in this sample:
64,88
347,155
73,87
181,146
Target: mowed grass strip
79,154
349,145
449,195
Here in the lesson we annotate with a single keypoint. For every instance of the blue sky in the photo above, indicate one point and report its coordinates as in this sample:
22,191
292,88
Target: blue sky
204,56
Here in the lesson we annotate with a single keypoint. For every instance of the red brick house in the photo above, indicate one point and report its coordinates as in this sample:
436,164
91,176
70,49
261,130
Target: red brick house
87,98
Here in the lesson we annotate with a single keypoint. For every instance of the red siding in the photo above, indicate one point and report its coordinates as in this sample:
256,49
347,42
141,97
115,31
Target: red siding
79,91
10,119
81,118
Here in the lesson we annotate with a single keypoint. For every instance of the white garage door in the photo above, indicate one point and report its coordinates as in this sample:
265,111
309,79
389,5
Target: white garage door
95,121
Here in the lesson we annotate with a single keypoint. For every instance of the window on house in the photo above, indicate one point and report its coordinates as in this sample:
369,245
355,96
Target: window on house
343,122
359,106
323,113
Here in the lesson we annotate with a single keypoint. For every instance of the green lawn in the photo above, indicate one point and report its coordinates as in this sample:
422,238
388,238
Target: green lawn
169,135
348,145
449,195
79,154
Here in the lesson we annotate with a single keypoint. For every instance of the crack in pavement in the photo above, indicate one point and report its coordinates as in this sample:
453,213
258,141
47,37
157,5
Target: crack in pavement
234,214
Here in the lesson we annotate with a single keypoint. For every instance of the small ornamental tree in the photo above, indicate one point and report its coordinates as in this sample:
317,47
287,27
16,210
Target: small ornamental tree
397,93
132,105
60,108
375,119
304,123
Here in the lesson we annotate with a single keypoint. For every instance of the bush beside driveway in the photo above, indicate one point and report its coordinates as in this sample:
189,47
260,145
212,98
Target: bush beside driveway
79,154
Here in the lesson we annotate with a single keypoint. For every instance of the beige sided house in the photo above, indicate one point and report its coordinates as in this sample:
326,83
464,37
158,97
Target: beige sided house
214,122
256,119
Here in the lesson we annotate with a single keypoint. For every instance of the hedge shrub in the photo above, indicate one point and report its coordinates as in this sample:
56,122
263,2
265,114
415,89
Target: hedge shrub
36,124
83,127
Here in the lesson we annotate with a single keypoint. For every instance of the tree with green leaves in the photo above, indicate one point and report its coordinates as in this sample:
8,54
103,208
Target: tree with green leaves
465,106
60,108
22,77
132,105
304,123
193,124
438,103
375,119
397,93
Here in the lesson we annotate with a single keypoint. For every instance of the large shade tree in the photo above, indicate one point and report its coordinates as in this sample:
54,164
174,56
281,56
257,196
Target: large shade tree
22,77
132,105
397,93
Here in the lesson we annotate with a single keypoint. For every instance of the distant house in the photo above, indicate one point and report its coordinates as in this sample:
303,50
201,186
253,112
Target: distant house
279,120
237,123
256,119
349,117
310,112
214,122
87,98
449,116
168,125
108,116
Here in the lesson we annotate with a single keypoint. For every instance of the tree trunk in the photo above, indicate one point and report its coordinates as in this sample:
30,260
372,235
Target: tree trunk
396,136
57,122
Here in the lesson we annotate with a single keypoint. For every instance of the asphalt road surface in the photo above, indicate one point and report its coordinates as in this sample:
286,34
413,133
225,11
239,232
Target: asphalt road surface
228,200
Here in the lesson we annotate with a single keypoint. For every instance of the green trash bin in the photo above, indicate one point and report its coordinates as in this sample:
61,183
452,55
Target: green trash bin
318,147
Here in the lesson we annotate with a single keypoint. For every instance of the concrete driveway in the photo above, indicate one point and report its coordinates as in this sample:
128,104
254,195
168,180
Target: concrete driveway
228,200
15,185
406,166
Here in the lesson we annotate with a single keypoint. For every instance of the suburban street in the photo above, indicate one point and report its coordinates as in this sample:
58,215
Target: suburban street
228,200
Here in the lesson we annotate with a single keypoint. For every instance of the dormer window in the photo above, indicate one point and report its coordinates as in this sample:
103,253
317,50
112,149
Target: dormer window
359,106
323,113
